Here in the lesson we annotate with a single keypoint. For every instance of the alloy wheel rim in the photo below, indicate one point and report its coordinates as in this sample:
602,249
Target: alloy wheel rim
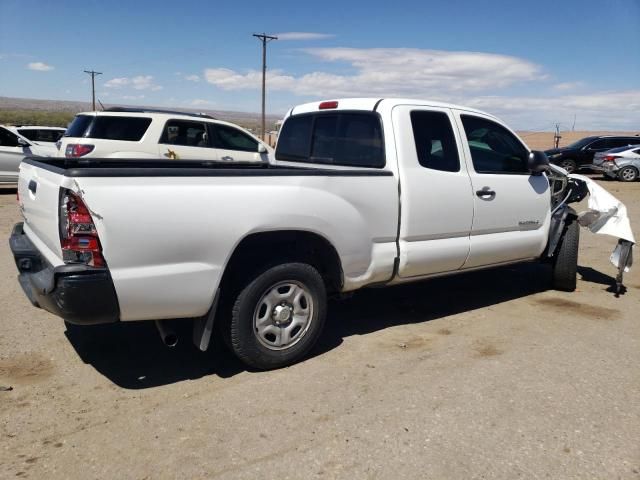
628,174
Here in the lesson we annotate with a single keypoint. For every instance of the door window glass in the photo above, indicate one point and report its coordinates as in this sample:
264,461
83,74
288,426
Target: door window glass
599,144
41,135
493,148
8,139
181,132
435,142
229,138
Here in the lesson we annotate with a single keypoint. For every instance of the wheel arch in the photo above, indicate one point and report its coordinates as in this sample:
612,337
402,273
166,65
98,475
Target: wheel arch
259,250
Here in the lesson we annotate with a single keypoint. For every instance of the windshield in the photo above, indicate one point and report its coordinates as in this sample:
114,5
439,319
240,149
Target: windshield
581,143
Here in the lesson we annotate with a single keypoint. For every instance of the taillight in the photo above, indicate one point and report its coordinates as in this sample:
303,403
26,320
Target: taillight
80,242
75,150
611,158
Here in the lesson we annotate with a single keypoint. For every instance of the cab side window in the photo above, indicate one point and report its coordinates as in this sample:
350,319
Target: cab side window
229,138
8,139
435,144
181,132
493,148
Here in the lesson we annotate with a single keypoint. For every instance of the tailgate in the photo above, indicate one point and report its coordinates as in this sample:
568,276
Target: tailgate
39,191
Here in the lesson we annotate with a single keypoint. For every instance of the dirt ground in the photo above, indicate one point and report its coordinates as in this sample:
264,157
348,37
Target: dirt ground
482,375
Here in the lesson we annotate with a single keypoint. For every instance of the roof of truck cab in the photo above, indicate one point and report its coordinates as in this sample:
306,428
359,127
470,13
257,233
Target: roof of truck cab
372,104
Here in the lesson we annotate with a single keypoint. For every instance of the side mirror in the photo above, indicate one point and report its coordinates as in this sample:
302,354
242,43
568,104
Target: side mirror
262,148
23,143
538,162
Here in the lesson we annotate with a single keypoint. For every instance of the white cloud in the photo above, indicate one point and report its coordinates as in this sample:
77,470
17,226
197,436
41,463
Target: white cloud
39,67
566,86
303,36
140,82
390,72
594,110
475,79
132,97
192,78
199,102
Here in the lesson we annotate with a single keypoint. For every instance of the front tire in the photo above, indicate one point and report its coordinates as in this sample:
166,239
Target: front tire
278,316
565,261
628,174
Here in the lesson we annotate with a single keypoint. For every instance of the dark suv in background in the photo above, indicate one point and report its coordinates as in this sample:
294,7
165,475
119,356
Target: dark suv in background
580,154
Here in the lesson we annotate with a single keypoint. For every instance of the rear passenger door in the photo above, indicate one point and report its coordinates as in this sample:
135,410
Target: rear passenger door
511,206
436,198
186,140
233,145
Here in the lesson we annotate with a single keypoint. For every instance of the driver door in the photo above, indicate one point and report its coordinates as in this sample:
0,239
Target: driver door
511,206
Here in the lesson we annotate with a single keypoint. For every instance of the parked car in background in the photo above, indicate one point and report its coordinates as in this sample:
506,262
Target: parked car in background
622,163
146,133
39,134
14,148
580,154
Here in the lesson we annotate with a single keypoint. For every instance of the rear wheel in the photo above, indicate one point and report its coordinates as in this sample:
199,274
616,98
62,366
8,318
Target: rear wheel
278,316
628,174
569,165
565,261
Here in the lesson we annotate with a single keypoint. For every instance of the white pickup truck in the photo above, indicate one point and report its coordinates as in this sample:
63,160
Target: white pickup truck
363,192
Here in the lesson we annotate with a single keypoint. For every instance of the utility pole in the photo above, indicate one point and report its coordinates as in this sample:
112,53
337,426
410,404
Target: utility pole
93,86
557,136
264,38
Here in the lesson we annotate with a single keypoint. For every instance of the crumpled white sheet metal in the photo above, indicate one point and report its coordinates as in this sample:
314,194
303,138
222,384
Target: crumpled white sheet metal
608,216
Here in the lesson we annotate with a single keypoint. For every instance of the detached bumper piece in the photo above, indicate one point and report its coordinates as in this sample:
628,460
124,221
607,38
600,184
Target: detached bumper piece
80,294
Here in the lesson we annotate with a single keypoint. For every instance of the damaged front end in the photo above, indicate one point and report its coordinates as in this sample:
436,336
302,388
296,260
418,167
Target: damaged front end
605,215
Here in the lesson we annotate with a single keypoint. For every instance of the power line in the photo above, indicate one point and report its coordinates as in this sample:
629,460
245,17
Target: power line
93,86
264,38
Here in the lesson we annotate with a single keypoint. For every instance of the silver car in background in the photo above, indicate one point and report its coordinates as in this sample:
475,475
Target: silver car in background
622,163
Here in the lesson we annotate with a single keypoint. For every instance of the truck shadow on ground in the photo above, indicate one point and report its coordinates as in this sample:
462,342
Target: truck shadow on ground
132,356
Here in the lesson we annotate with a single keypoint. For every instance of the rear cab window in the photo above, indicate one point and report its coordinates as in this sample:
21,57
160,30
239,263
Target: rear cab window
109,127
343,138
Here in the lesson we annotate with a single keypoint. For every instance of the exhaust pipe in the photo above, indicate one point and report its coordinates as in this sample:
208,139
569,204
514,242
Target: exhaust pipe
168,336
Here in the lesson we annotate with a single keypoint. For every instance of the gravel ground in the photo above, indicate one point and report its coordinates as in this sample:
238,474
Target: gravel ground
482,375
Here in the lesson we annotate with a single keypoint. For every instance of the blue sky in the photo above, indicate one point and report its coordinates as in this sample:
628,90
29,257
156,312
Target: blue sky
531,63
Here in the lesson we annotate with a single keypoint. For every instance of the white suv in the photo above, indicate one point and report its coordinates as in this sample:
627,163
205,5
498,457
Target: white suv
145,133
13,148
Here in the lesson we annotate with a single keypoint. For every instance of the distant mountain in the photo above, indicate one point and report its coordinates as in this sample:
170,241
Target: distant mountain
250,120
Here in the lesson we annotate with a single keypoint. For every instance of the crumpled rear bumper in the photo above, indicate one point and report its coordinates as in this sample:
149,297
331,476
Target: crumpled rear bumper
80,294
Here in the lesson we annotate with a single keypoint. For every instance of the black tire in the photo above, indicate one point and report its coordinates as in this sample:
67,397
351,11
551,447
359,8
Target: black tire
569,165
249,345
628,174
565,261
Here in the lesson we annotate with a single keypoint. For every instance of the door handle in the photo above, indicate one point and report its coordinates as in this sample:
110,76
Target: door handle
485,192
33,186
227,158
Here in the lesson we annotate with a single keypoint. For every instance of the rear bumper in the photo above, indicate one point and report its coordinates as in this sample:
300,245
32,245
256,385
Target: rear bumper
80,294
